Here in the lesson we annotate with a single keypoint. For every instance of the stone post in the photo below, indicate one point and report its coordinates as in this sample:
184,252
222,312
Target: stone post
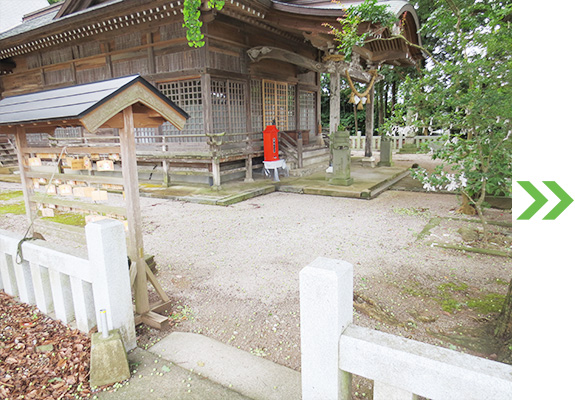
341,155
385,152
106,241
326,308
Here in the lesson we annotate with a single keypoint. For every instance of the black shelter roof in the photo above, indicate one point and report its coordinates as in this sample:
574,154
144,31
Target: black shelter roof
71,102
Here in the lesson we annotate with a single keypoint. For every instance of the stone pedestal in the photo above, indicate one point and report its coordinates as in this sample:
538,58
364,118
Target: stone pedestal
108,360
385,151
341,159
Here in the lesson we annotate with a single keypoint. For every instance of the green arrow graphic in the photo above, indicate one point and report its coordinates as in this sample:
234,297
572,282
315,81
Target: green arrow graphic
564,198
540,200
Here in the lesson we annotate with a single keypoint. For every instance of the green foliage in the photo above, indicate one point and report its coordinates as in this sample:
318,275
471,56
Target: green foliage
375,15
13,208
192,21
468,95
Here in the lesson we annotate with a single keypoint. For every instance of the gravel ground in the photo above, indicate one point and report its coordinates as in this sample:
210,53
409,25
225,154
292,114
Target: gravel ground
232,272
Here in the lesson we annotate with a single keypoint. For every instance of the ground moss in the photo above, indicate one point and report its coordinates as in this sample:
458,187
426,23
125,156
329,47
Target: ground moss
487,304
13,208
10,195
68,219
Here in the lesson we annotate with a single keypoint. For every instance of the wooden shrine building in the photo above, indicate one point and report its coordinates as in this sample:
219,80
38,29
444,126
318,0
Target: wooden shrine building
261,64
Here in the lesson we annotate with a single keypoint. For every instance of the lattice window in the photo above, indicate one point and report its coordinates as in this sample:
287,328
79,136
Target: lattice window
68,133
291,107
277,103
188,96
256,106
228,106
307,111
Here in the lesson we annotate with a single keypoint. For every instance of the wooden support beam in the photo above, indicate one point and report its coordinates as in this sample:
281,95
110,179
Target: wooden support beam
369,115
334,100
132,194
27,187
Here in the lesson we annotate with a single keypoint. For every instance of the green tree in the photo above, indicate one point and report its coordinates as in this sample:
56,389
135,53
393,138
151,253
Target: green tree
468,94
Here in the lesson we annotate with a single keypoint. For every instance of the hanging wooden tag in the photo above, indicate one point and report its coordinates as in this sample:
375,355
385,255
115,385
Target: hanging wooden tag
100,195
34,162
105,165
65,190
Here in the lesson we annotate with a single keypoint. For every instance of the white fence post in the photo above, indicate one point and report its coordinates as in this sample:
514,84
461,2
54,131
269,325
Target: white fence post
326,308
42,288
106,241
24,282
8,276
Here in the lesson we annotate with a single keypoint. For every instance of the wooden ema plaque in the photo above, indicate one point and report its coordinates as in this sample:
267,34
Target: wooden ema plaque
105,165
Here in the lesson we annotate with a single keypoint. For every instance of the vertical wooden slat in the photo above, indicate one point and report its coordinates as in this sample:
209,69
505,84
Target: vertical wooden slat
132,193
27,185
151,56
207,103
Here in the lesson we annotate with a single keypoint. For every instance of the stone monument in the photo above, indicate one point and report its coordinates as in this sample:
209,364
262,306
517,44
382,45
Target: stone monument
341,155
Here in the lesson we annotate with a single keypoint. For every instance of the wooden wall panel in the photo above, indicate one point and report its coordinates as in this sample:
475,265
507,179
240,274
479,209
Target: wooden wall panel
22,83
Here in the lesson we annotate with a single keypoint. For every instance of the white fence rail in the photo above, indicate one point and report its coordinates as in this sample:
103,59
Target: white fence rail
358,142
70,287
333,349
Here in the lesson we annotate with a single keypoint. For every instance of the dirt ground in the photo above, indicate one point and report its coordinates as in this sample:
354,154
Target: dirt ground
232,272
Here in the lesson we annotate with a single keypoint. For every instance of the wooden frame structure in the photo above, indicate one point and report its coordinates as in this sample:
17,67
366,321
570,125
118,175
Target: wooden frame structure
125,103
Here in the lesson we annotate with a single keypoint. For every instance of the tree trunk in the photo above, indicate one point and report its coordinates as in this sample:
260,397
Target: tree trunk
380,106
393,95
503,328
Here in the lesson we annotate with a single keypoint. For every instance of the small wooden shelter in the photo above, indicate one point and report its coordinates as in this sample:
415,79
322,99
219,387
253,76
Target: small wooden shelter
124,103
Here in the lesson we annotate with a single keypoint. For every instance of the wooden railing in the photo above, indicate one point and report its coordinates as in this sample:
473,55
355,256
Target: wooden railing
358,142
333,349
292,148
210,151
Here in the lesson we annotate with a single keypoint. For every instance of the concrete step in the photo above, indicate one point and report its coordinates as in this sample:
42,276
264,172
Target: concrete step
309,169
249,375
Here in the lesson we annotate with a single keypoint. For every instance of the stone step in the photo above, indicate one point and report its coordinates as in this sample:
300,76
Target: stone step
247,374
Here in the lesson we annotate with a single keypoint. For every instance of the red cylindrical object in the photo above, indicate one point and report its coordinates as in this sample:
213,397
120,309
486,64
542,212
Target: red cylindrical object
271,144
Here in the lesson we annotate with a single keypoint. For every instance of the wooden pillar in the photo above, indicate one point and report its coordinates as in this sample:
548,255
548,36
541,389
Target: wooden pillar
216,184
334,100
27,187
165,165
369,114
249,160
21,143
132,195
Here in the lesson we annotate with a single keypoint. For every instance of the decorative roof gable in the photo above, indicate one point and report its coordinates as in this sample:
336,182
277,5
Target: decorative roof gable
74,6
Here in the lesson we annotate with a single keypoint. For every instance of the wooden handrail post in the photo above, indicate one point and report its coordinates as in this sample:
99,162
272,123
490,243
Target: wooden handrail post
131,190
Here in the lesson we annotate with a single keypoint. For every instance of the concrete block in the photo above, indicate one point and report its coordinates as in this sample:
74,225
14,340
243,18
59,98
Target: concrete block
108,359
106,241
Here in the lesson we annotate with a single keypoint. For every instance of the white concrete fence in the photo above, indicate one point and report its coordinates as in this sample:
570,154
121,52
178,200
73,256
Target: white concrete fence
333,349
70,287
358,142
